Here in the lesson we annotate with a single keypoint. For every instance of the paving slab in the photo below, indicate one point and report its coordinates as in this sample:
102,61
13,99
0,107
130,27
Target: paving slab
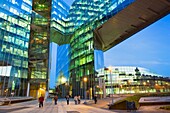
49,107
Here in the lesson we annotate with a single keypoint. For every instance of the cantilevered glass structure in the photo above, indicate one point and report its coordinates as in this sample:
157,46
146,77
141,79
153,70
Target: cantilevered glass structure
76,30
72,29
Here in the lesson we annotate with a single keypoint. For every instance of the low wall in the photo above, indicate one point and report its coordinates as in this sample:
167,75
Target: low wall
6,101
144,101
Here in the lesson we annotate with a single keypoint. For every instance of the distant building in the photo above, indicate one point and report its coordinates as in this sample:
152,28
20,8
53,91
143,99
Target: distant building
129,79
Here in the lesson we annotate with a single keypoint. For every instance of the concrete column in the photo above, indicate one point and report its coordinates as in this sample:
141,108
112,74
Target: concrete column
28,89
90,93
104,89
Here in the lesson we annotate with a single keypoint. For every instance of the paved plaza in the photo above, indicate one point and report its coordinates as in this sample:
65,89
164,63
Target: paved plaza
49,107
62,107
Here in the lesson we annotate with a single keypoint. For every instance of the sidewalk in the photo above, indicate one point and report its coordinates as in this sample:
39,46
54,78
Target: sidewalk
62,107
49,107
102,104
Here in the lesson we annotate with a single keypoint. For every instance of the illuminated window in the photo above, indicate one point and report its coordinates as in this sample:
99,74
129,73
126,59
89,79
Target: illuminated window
26,8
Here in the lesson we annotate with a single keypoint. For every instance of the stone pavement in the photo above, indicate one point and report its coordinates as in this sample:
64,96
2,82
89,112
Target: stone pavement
49,107
102,104
152,109
62,107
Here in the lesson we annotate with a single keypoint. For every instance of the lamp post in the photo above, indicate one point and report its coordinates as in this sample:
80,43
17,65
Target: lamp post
6,91
120,87
110,70
85,80
144,83
98,89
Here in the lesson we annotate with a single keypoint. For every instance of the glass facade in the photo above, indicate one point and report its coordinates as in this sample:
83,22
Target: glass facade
129,79
38,71
29,26
83,18
52,65
15,19
58,35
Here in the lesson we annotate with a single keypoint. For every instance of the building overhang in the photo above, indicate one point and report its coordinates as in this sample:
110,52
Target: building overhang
129,21
59,38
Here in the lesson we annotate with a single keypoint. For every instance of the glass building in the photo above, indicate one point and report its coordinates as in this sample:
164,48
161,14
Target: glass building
27,29
129,79
73,31
35,35
15,19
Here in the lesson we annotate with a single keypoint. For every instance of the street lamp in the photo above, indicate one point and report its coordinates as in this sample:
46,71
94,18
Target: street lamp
85,81
110,70
120,87
98,89
6,91
144,83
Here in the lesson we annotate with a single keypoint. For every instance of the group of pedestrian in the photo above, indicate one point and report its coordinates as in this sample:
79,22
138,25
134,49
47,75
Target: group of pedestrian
41,100
77,99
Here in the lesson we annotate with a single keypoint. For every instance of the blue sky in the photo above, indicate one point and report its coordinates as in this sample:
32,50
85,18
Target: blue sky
69,2
148,48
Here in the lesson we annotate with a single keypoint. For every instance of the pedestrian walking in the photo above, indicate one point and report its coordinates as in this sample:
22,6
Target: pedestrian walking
95,99
67,99
55,100
78,98
75,100
41,100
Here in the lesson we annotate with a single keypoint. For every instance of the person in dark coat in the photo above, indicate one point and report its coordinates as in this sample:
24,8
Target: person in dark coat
55,100
67,98
41,100
95,99
78,99
75,99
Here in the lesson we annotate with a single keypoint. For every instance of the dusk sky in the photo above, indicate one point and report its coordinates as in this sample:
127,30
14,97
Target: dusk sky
69,2
148,48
